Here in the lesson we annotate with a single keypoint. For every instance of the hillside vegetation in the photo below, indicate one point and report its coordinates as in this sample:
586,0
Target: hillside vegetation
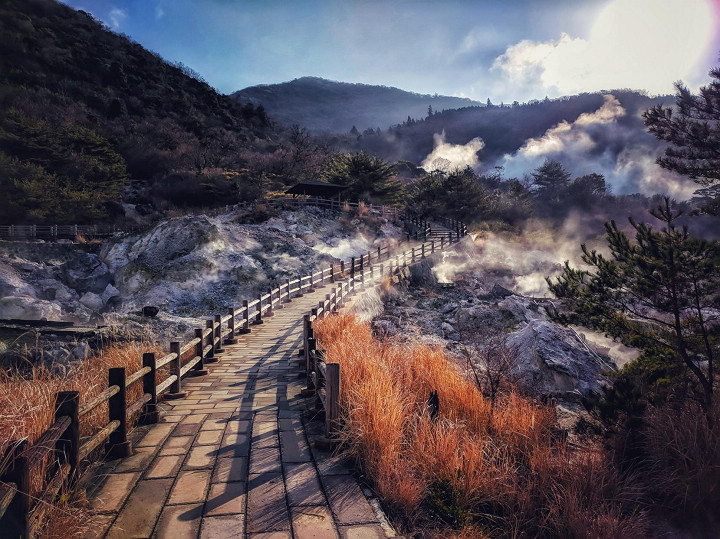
87,113
324,105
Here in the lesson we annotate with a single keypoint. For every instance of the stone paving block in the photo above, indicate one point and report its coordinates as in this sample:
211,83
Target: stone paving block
293,447
267,510
313,523
238,426
230,469
303,485
201,456
192,419
164,466
226,499
138,517
329,464
235,445
180,521
139,460
209,437
223,527
190,487
189,429
155,435
270,535
265,460
290,423
347,500
264,434
109,493
362,531
98,526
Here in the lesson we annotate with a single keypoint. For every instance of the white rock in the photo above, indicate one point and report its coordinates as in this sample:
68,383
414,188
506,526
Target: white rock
92,301
109,292
29,308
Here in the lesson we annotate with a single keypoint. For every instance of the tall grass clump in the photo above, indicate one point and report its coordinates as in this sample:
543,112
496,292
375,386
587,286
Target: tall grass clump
469,469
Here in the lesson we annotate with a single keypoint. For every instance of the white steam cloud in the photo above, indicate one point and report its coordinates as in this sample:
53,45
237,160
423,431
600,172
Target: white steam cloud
446,156
643,44
117,17
597,143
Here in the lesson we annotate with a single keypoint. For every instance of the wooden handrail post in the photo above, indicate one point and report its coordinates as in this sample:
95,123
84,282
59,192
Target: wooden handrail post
209,340
199,368
449,238
352,266
218,337
176,391
423,251
288,299
118,444
67,404
442,242
151,414
432,246
379,253
231,338
332,392
270,311
342,268
306,349
246,319
23,497
258,316
413,255
332,274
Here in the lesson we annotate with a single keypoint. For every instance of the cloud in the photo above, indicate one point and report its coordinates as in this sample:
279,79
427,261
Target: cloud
596,142
117,17
159,13
641,44
446,155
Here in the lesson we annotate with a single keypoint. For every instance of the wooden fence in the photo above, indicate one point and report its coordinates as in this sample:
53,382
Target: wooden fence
37,473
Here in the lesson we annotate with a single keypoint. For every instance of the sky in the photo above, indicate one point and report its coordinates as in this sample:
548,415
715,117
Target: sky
503,50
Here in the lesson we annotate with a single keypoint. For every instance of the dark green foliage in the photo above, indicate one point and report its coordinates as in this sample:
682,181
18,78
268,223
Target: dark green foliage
55,173
552,181
692,129
369,178
457,194
659,293
89,105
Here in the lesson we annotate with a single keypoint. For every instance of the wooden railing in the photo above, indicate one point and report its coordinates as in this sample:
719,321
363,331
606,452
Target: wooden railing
37,473
323,378
62,231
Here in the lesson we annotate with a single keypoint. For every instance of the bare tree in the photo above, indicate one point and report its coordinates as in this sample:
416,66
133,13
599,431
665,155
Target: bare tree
490,358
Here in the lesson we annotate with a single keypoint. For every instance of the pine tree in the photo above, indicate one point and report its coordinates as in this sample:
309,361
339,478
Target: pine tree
552,181
660,293
692,130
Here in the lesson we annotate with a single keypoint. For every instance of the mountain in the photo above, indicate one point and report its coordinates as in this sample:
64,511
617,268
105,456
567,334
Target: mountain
86,112
324,105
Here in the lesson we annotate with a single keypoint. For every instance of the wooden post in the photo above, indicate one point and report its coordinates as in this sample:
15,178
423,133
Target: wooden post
306,349
231,338
270,311
118,444
151,414
210,339
379,251
199,368
423,251
68,448
449,238
352,266
432,246
413,255
332,393
442,242
176,391
23,496
246,319
342,268
218,336
332,274
258,316
287,291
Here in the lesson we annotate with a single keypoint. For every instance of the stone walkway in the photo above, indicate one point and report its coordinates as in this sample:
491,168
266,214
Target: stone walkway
235,458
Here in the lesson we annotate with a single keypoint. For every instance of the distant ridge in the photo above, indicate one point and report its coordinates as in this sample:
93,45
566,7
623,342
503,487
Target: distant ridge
324,105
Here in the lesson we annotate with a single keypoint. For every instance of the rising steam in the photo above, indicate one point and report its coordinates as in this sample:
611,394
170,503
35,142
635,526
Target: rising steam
446,156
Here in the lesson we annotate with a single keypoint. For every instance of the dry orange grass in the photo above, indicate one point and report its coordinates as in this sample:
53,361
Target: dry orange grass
478,471
27,401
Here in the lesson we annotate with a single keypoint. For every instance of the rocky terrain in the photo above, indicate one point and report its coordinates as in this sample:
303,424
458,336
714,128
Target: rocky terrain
185,267
562,363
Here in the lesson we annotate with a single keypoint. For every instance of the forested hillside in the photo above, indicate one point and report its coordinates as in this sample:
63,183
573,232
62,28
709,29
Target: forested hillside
503,128
90,118
322,105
